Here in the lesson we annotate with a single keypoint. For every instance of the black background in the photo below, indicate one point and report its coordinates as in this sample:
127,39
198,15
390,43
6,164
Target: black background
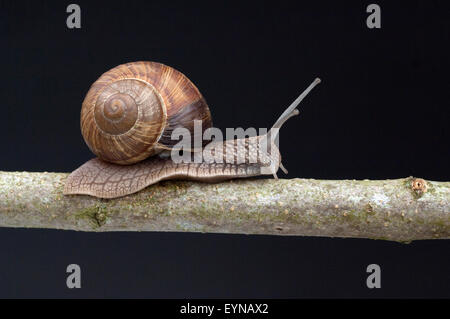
380,112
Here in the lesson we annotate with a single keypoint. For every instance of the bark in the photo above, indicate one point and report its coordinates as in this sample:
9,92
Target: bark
400,210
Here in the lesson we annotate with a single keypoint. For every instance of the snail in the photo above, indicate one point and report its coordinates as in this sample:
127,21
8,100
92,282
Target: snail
127,120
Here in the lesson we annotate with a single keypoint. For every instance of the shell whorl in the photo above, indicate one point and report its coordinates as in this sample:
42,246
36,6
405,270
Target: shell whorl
131,110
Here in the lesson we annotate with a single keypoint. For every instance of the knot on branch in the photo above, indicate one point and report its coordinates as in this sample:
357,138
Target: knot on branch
419,186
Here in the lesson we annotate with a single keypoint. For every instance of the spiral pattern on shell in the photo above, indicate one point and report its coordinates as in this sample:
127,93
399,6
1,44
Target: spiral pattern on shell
130,112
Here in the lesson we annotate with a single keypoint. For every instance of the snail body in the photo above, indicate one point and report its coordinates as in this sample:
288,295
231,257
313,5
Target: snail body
127,119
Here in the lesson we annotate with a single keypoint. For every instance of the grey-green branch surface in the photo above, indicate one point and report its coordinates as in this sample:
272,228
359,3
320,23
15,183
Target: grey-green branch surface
399,210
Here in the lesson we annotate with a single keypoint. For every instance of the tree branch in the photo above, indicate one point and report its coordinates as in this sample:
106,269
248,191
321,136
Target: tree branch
400,210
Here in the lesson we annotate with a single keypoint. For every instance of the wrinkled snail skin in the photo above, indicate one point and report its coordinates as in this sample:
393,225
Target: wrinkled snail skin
105,180
128,117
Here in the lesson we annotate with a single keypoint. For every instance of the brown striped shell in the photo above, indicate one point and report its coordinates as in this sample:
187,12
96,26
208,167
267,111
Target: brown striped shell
130,112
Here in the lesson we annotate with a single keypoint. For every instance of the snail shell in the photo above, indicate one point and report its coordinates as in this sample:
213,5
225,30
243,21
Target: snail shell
130,112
